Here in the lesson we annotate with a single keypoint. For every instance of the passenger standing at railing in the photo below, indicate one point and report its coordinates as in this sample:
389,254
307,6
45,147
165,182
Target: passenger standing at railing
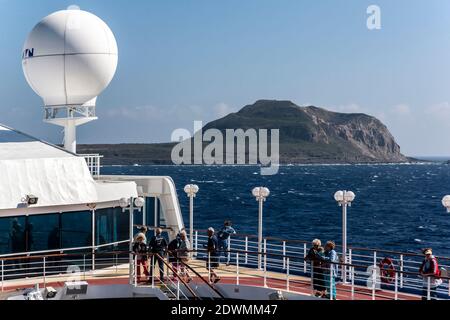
178,253
158,247
330,258
140,250
313,256
212,248
224,239
431,275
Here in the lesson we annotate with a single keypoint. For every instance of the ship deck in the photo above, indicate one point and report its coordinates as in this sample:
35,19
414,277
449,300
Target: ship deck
251,277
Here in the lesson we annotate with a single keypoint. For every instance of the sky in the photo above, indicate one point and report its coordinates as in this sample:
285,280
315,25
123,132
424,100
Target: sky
186,60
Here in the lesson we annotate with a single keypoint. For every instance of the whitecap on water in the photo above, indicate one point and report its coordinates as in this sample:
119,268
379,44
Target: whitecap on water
417,240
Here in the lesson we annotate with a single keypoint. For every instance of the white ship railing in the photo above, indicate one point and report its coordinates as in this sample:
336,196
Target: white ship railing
69,261
283,268
363,271
93,163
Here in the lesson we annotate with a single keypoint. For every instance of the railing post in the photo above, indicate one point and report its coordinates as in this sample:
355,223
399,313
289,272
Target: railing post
246,250
196,243
3,272
237,268
330,288
312,280
284,254
304,256
396,286
153,271
265,245
350,259
287,274
353,283
135,270
428,288
265,265
374,279
374,259
178,289
401,271
44,265
84,267
209,267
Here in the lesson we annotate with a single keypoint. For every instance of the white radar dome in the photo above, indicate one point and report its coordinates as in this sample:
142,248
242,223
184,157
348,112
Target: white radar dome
69,57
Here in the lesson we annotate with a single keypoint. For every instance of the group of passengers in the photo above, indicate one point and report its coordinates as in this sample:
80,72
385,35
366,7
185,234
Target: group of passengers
155,252
178,252
324,262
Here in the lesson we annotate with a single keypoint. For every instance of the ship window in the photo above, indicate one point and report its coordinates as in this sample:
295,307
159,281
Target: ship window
12,234
154,216
42,232
111,225
138,217
76,229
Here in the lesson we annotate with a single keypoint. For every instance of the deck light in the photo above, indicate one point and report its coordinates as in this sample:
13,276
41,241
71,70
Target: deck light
191,190
446,202
344,199
30,199
139,202
124,202
260,193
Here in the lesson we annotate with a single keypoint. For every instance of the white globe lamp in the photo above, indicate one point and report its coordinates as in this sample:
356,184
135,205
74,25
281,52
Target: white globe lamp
446,202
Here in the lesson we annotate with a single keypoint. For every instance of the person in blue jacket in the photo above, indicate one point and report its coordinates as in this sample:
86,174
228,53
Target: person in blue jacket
329,263
224,239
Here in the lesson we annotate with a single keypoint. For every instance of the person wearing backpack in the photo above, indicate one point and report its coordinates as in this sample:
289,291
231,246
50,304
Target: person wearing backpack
431,275
224,239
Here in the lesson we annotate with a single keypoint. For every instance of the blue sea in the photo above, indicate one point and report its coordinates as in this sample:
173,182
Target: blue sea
397,207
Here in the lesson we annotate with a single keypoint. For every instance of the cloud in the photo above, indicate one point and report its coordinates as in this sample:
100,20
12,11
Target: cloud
439,111
222,109
401,109
347,108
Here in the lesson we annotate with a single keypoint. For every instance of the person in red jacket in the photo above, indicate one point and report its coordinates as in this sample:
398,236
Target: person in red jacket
431,275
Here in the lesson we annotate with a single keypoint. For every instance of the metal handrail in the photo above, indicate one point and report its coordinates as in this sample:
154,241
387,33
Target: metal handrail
29,253
178,276
203,279
243,235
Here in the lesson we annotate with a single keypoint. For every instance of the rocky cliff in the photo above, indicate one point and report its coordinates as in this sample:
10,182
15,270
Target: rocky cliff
307,135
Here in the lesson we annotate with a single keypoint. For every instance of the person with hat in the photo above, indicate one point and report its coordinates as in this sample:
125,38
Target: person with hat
431,275
140,250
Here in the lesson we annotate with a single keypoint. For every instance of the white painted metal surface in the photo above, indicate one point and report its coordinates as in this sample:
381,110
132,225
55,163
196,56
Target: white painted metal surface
69,57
